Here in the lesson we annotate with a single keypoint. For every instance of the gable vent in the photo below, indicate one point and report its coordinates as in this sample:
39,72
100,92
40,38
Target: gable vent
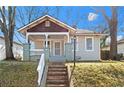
47,23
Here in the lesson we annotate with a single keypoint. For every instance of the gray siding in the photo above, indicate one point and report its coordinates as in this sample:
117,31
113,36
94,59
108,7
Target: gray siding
88,55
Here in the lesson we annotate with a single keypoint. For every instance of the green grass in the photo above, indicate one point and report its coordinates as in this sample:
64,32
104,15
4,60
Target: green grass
18,74
102,74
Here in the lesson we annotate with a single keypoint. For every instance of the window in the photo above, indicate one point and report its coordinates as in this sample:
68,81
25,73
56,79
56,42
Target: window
72,41
47,23
89,43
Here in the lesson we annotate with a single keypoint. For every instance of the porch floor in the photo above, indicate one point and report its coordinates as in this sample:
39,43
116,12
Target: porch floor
57,59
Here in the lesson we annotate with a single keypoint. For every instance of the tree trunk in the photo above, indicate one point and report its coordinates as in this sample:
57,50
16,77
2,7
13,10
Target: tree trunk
9,50
113,36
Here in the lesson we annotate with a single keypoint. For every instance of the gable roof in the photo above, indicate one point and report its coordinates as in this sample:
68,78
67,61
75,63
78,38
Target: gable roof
89,32
42,18
84,31
121,41
1,37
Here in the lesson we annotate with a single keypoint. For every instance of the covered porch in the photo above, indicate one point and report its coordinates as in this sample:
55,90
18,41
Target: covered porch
54,42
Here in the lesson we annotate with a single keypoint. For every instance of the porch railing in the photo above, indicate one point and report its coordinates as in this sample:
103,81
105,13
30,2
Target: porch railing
36,52
40,69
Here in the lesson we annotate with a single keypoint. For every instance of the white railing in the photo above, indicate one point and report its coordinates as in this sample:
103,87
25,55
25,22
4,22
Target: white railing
40,68
36,52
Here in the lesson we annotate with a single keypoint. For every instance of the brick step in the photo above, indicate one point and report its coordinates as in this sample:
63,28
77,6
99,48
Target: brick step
56,77
57,70
57,85
57,66
57,81
57,73
56,63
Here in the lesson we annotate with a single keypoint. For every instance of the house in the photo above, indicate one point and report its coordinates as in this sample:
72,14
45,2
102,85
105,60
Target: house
55,38
120,47
17,49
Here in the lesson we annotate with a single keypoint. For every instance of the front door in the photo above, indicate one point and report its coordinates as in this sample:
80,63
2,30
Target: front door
57,48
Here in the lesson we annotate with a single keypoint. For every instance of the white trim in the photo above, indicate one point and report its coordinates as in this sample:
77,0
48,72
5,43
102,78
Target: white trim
68,38
60,48
26,37
64,46
92,43
93,34
99,50
48,33
49,40
46,39
43,18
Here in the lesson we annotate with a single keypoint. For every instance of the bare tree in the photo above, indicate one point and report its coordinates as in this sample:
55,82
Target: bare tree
7,24
112,24
27,14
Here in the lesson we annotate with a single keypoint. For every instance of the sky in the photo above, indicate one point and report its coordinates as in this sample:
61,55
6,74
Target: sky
84,18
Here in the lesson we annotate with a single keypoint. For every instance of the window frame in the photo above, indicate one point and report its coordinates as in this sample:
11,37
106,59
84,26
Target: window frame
86,43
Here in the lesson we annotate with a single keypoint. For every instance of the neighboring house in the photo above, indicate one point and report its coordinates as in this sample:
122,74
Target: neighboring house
120,47
17,49
55,39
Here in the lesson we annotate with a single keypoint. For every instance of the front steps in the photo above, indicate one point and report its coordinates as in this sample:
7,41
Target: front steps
57,75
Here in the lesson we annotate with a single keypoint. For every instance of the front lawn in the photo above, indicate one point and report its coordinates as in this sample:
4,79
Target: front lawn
18,74
98,74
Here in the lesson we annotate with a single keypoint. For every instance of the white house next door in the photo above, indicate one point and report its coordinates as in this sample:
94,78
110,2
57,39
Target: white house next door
57,48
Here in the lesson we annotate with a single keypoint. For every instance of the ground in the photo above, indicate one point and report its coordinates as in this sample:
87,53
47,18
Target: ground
86,74
104,74
18,74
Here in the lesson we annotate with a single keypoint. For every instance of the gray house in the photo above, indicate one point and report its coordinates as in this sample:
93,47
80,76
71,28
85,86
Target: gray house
55,39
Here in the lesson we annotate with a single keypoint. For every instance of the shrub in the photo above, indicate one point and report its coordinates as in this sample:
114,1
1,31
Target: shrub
105,54
119,56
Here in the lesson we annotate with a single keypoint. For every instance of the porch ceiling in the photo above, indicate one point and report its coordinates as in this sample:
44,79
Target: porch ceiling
41,37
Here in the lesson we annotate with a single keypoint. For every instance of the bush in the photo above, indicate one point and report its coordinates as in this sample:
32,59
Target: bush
105,54
119,56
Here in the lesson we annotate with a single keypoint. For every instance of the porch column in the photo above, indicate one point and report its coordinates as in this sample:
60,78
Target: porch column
68,37
27,37
46,44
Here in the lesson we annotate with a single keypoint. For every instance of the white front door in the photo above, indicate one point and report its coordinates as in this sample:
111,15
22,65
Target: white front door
57,48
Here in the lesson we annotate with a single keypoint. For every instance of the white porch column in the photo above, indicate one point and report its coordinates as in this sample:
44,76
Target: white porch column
27,37
68,37
46,44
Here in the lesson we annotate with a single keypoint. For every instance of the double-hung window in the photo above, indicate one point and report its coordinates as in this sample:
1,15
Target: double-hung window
89,43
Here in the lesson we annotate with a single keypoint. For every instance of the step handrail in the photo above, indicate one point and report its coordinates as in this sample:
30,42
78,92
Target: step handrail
40,69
